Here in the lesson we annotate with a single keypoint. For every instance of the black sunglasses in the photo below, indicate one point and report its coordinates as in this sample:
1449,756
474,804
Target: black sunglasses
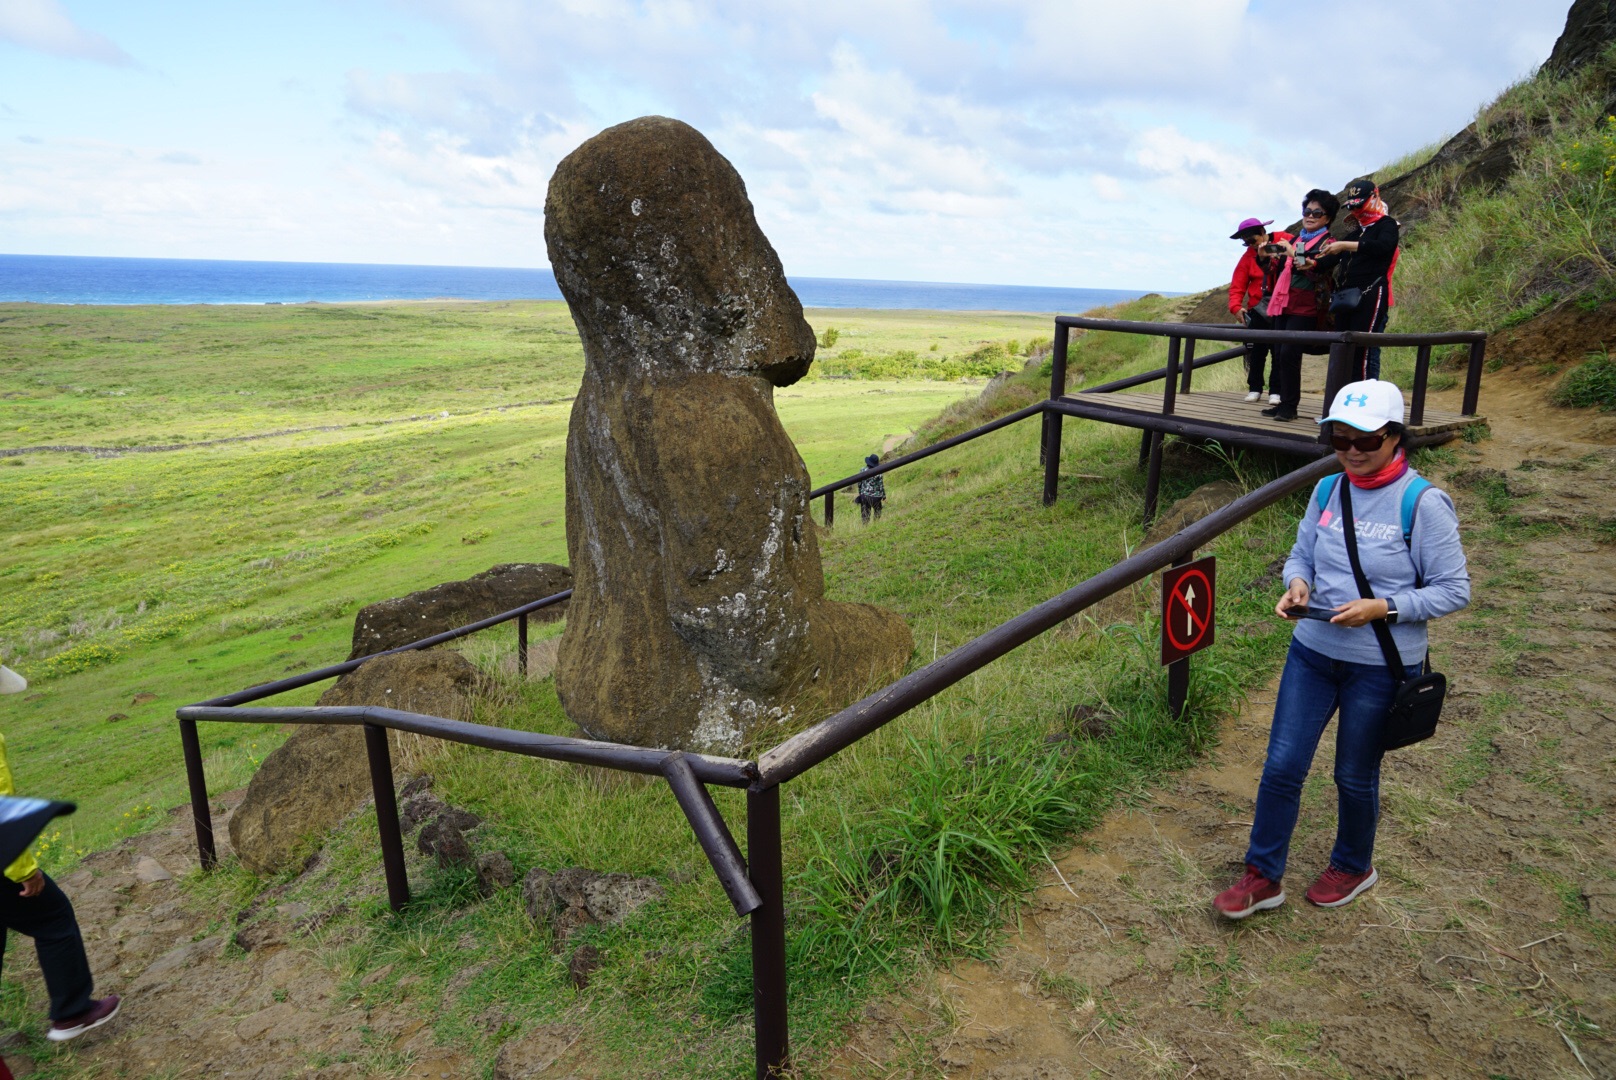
1364,444
1308,211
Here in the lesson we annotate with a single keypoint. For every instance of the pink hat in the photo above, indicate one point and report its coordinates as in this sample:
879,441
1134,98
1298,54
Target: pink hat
1249,225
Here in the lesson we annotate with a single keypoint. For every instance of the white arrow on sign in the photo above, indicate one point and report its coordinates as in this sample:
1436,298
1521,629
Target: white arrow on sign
1189,614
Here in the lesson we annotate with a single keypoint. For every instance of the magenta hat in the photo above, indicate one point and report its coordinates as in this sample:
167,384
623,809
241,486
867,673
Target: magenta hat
1247,225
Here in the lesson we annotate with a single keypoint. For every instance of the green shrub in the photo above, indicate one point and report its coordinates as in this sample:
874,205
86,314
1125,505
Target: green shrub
828,338
78,658
1592,383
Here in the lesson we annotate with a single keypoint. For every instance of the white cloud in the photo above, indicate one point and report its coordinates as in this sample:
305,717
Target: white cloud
45,26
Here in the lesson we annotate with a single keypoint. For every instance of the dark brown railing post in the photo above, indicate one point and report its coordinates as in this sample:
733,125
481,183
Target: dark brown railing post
1052,419
1178,672
392,841
1189,363
1335,377
201,816
830,509
1472,394
1153,477
764,866
521,644
1170,384
1422,374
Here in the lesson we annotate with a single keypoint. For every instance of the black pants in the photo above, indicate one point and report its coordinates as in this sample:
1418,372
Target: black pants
1287,377
1370,315
867,506
48,919
1256,351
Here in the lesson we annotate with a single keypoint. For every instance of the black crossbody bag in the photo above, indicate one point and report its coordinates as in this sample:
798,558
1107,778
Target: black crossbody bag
1417,704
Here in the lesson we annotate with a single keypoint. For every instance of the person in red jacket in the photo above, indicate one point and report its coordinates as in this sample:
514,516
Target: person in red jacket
1249,293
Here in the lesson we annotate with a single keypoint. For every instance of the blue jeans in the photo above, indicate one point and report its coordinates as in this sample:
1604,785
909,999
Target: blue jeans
1310,692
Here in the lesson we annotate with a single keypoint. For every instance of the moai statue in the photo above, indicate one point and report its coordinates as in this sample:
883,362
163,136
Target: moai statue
698,618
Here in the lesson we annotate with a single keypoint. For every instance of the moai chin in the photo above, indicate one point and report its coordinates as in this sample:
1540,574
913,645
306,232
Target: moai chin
698,614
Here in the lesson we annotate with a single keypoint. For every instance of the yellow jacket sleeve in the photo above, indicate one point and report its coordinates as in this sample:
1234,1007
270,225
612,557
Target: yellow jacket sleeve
25,867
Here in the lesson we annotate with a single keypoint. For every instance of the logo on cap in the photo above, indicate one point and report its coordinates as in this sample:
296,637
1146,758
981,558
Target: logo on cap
1358,399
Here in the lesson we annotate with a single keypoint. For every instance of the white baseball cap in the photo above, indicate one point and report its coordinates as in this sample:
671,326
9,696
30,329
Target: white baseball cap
1368,405
11,682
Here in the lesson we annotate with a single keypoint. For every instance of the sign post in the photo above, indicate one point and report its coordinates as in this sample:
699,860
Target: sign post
1189,623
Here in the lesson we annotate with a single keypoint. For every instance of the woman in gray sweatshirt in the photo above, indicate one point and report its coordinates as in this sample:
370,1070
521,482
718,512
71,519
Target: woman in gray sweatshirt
1408,543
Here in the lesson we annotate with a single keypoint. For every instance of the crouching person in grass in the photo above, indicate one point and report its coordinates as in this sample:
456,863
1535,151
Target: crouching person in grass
1408,547
35,906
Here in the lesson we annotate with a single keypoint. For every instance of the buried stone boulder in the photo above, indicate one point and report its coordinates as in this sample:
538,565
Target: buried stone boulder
321,774
698,615
387,624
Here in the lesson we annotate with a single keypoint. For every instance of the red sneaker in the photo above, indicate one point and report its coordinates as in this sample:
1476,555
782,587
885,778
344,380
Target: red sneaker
1337,888
1250,894
72,1027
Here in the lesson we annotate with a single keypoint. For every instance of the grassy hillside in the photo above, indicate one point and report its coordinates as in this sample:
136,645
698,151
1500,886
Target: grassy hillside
184,574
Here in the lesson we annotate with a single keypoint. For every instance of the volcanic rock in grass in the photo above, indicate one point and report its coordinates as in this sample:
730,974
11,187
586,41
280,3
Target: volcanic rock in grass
388,624
494,872
575,897
1204,500
1590,27
321,774
699,614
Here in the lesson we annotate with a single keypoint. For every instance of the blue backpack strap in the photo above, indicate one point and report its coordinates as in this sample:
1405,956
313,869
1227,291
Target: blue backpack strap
1326,488
1412,495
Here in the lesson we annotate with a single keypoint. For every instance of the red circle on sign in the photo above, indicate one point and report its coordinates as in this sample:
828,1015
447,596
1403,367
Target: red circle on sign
1201,624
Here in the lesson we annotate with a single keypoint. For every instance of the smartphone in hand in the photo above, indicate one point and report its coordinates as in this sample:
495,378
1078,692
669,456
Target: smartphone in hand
1304,612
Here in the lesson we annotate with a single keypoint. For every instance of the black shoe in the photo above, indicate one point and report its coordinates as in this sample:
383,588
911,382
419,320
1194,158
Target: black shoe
1285,414
1273,410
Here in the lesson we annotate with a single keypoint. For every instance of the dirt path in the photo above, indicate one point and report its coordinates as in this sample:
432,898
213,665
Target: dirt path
196,1002
1489,947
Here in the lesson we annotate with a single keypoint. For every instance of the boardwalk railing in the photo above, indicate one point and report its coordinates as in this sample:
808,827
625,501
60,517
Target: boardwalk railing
754,881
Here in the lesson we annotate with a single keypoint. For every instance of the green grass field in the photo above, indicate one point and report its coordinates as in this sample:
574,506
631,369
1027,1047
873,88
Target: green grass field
189,573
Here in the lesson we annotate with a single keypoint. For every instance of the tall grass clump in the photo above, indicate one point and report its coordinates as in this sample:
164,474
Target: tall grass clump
1589,384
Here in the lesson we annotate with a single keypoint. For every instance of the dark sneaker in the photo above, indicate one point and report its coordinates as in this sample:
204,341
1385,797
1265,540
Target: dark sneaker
1337,888
1272,410
1282,413
72,1027
1250,894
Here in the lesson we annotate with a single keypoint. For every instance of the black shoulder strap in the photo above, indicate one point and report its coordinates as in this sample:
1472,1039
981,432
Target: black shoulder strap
1383,632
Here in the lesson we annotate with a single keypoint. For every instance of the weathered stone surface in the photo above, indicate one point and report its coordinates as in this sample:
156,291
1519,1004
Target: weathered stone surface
1590,27
575,897
494,872
437,682
448,843
401,620
698,615
1192,508
320,774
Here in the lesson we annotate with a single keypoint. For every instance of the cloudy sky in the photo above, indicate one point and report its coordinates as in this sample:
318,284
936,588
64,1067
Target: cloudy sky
1036,142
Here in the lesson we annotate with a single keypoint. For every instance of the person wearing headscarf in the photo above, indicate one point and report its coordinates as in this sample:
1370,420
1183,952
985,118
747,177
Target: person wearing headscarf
1364,260
872,492
1301,297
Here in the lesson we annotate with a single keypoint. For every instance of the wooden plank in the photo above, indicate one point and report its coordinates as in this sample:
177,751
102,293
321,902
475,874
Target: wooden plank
1230,407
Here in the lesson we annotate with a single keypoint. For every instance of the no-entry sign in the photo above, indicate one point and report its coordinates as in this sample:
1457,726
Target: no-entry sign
1189,623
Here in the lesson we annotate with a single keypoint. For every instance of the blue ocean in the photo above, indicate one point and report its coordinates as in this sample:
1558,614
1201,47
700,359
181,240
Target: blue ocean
68,279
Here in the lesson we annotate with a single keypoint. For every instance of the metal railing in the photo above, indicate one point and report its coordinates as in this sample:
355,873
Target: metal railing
754,882
1178,373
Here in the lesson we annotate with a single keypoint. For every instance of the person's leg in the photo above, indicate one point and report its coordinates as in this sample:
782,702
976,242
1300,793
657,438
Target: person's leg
1307,697
864,513
1366,695
48,919
1288,368
878,504
1378,326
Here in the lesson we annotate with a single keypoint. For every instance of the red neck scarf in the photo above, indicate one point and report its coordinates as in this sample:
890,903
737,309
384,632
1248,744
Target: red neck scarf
1394,469
1371,211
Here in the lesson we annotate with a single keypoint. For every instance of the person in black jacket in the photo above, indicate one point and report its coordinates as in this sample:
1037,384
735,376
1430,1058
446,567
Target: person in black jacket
1364,261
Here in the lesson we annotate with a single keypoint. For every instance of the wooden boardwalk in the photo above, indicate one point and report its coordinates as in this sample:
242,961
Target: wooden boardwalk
1225,415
